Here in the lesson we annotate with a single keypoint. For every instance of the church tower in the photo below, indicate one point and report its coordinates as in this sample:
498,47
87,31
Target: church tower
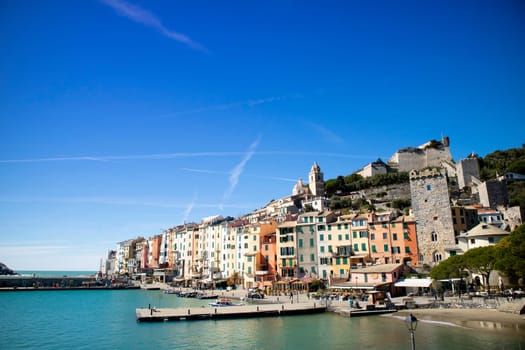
316,181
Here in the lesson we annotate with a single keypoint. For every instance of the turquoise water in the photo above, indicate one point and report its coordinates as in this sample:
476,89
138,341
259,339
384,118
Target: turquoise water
106,320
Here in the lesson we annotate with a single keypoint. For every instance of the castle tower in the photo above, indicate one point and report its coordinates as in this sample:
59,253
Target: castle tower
466,170
316,181
431,204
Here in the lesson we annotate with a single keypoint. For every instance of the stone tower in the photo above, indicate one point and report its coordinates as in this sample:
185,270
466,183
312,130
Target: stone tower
431,204
316,181
467,169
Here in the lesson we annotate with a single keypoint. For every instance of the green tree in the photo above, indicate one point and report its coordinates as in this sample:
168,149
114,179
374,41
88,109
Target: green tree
481,261
510,255
453,267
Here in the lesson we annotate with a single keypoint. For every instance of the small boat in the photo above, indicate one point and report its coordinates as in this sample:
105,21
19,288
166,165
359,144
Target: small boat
223,302
207,296
171,291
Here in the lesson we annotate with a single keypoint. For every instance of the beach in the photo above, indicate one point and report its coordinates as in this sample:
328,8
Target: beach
482,319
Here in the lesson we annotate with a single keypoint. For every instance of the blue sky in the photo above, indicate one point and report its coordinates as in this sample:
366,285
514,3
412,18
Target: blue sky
123,118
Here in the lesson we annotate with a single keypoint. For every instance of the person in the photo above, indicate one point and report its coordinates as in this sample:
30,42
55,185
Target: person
351,303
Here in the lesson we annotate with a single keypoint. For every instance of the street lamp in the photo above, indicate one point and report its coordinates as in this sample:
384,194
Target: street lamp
411,323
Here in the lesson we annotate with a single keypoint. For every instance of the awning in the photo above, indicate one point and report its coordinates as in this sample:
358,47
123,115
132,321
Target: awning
414,283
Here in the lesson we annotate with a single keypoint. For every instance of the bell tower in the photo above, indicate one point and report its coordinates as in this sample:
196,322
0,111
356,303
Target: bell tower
316,181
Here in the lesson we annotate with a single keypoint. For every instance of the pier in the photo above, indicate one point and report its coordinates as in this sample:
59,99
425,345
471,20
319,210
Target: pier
244,311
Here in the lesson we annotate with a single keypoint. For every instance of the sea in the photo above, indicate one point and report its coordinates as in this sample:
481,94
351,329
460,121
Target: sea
105,319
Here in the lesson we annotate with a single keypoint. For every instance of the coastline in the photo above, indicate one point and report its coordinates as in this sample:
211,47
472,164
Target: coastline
478,319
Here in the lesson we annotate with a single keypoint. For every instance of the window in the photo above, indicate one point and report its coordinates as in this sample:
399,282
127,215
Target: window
345,261
372,236
329,248
346,226
312,243
321,237
384,235
321,227
354,234
245,245
491,239
383,277
301,258
405,235
385,248
395,236
338,226
472,241
363,234
429,187
341,272
266,247
405,225
254,237
249,259
393,225
329,237
356,247
311,218
249,270
254,248
374,250
407,250
383,225
434,236
363,246
329,227
322,249
312,257
338,261
340,237
347,236
321,219
300,242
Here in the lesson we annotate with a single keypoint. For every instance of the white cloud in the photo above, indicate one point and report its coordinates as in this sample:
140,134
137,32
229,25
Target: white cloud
145,17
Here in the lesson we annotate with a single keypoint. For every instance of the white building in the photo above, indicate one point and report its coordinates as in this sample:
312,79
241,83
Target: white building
481,235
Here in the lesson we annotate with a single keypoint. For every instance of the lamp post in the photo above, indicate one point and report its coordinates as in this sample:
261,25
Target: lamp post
411,323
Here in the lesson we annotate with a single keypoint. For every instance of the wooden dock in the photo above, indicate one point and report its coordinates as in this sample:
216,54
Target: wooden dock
245,311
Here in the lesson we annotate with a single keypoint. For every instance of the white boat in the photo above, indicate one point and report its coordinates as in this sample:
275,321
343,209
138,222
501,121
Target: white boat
224,302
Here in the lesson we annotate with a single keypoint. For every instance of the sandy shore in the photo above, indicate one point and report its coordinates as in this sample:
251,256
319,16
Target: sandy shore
481,319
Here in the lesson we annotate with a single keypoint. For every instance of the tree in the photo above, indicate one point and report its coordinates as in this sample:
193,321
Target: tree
510,255
452,267
233,279
481,261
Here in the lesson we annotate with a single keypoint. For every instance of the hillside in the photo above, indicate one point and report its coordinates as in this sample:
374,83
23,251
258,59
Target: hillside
391,190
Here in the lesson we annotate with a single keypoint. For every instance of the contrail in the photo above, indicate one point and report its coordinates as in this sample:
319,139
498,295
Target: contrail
145,17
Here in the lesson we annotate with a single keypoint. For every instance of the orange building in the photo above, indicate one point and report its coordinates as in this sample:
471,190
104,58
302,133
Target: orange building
266,272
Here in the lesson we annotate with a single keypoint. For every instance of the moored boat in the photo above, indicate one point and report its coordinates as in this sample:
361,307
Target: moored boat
224,302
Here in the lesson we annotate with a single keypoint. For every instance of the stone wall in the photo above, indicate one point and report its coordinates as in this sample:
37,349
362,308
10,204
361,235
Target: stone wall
466,169
431,205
